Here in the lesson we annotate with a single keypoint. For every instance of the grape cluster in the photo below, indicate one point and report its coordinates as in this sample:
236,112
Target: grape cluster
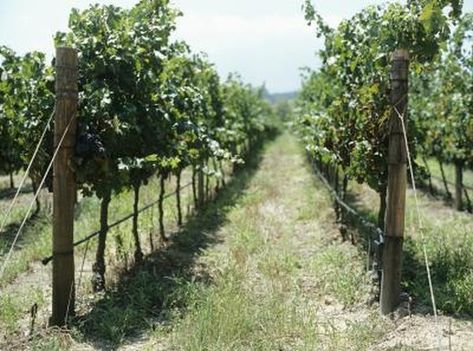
89,145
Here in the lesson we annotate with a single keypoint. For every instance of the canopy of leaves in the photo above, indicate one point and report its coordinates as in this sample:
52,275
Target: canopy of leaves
344,107
147,104
443,103
26,104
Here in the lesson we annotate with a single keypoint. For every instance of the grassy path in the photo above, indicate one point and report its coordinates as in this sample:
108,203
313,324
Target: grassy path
263,268
278,279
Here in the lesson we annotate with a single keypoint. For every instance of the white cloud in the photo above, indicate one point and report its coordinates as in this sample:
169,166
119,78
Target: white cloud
218,27
264,40
221,25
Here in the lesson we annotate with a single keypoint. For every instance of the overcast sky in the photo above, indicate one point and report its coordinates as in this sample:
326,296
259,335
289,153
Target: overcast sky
265,40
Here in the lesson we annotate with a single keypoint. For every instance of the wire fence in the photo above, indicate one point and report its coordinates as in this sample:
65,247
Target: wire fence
90,236
467,187
372,228
38,191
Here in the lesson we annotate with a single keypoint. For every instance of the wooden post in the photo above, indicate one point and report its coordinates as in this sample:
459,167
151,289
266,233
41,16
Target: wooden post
98,279
178,197
459,185
201,185
12,182
337,191
397,182
194,187
444,180
426,165
468,201
64,186
162,190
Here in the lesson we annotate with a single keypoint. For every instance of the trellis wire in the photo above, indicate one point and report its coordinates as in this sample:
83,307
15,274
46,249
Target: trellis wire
17,235
46,260
6,217
421,227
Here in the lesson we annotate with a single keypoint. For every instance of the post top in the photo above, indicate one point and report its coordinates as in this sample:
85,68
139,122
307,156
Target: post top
66,56
64,50
400,54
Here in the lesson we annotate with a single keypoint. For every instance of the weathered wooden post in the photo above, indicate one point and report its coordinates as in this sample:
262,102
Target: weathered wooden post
459,185
201,185
444,180
397,182
64,186
178,197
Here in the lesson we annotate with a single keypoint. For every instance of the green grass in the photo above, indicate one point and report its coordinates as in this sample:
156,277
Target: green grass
449,245
14,305
154,291
271,280
449,169
35,243
38,229
261,268
338,276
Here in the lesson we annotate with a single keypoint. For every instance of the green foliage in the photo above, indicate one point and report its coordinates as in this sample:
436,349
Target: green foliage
442,104
147,104
121,59
26,103
344,107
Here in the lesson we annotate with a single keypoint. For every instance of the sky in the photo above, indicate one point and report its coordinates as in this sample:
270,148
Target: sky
266,41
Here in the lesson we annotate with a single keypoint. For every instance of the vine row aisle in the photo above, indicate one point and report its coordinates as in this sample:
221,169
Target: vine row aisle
276,276
262,268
